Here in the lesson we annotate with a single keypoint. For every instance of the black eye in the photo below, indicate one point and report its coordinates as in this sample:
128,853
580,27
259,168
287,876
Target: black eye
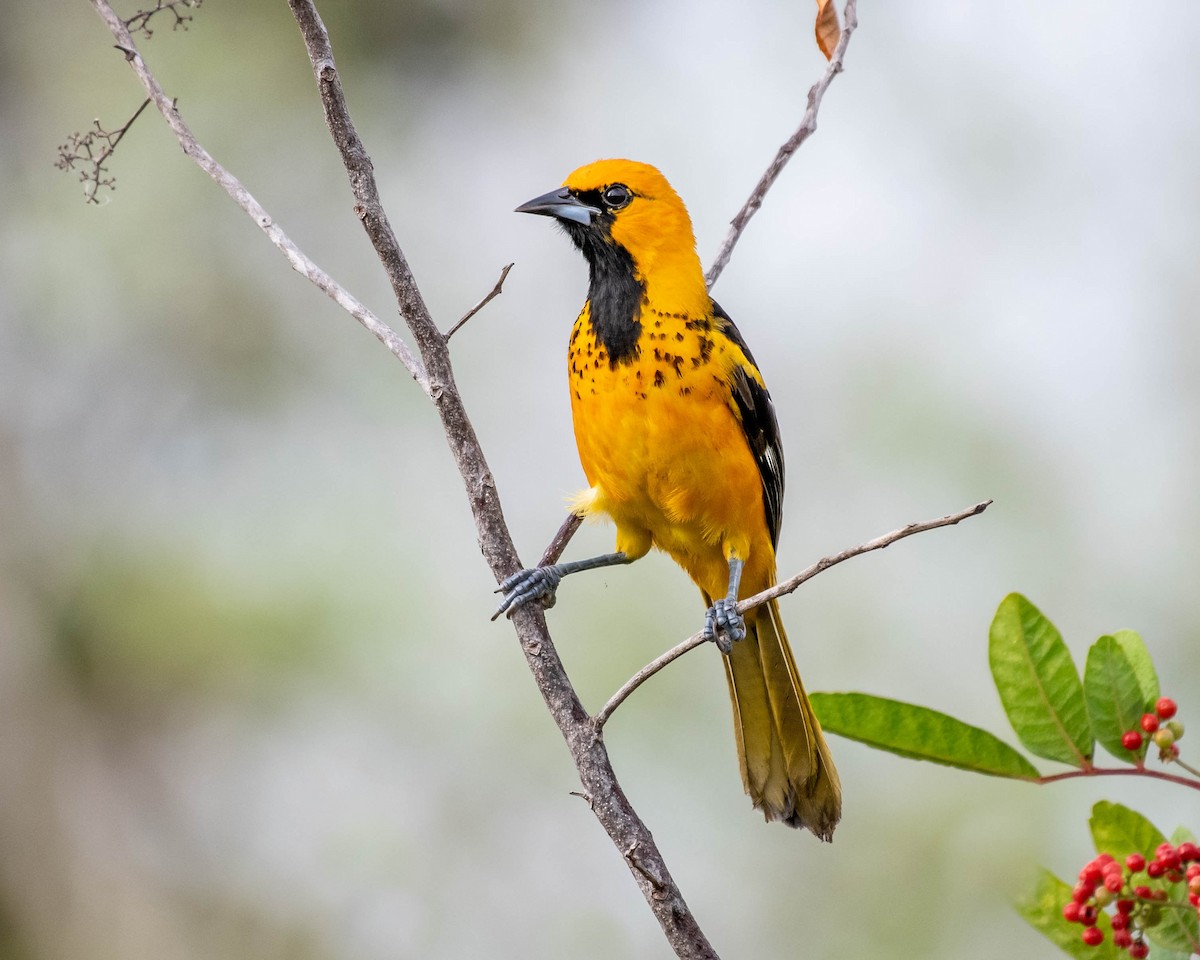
617,196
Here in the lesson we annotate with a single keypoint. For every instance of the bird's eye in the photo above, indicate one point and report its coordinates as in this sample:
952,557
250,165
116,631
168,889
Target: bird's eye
617,196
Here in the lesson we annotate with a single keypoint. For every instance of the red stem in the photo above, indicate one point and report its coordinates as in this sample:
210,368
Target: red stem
1120,772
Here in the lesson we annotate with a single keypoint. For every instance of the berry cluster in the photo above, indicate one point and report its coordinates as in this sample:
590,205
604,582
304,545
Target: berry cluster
1160,728
1139,907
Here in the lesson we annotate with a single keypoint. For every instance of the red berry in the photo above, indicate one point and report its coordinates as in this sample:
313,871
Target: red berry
1120,921
1122,939
1139,950
1135,862
1093,936
1155,869
1143,893
1088,915
1071,912
1131,740
1165,708
1149,722
1188,851
1081,892
1113,882
1125,907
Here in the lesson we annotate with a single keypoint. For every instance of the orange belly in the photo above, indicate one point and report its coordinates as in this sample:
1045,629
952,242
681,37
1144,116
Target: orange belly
666,458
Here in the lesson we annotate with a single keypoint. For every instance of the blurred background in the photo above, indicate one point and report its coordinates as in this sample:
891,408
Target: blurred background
250,701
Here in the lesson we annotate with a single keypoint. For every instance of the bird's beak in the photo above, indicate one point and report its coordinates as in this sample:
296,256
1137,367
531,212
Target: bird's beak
560,203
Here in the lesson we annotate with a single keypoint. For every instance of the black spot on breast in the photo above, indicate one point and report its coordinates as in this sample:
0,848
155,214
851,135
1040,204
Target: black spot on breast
659,379
684,391
679,337
706,349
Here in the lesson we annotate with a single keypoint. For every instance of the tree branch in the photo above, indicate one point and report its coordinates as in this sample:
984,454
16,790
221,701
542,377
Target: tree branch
299,261
779,590
495,292
807,125
606,799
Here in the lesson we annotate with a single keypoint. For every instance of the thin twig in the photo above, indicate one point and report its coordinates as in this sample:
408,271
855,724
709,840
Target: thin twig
556,546
495,292
779,590
1118,772
299,261
79,150
807,125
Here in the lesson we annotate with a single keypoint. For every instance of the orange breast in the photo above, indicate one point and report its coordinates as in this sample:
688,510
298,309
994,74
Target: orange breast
663,451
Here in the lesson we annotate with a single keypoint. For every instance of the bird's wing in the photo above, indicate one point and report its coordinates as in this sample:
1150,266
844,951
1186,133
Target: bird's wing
757,415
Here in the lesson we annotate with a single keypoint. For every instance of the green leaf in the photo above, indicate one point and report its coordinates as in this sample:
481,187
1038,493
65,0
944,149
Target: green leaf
1042,909
1114,697
1182,835
1135,651
1038,683
1161,953
1120,831
919,733
1178,929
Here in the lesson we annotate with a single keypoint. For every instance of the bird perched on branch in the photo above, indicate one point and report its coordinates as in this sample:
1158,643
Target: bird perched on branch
678,439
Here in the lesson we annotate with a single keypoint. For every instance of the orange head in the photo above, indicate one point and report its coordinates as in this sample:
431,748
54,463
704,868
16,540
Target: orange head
631,225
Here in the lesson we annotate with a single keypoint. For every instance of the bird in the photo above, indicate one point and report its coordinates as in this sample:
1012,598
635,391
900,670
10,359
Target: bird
679,442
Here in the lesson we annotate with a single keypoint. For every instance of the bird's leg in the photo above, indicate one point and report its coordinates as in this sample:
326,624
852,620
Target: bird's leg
722,623
539,583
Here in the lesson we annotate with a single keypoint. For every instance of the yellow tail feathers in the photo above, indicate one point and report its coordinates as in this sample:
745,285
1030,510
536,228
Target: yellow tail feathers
786,766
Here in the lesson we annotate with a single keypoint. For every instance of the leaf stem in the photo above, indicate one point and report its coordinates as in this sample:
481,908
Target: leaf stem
1119,772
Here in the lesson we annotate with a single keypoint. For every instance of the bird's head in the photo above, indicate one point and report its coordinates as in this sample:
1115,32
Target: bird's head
621,211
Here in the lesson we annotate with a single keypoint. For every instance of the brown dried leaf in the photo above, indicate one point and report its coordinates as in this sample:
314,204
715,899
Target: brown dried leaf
828,31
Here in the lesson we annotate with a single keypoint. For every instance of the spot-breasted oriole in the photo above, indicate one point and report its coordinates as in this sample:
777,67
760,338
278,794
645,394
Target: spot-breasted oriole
678,439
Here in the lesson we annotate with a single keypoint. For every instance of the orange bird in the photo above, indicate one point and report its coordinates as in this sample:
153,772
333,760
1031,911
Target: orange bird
678,439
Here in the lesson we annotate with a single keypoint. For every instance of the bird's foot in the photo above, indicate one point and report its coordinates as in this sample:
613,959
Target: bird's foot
723,625
538,583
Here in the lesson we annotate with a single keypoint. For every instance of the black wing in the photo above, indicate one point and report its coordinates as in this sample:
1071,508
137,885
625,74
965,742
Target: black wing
757,414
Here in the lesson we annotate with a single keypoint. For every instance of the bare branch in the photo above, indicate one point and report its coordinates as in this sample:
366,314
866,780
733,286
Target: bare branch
495,292
608,801
803,132
140,21
556,546
91,150
779,590
243,198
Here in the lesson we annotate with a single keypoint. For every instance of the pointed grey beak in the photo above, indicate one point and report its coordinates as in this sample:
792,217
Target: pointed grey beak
560,203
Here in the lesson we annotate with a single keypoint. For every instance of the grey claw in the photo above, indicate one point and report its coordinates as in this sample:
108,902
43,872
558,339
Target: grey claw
523,586
724,625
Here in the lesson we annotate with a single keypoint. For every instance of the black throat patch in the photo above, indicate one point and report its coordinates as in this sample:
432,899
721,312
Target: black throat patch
614,291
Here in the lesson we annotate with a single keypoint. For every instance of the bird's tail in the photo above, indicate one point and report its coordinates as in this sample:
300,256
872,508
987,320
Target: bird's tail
786,766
